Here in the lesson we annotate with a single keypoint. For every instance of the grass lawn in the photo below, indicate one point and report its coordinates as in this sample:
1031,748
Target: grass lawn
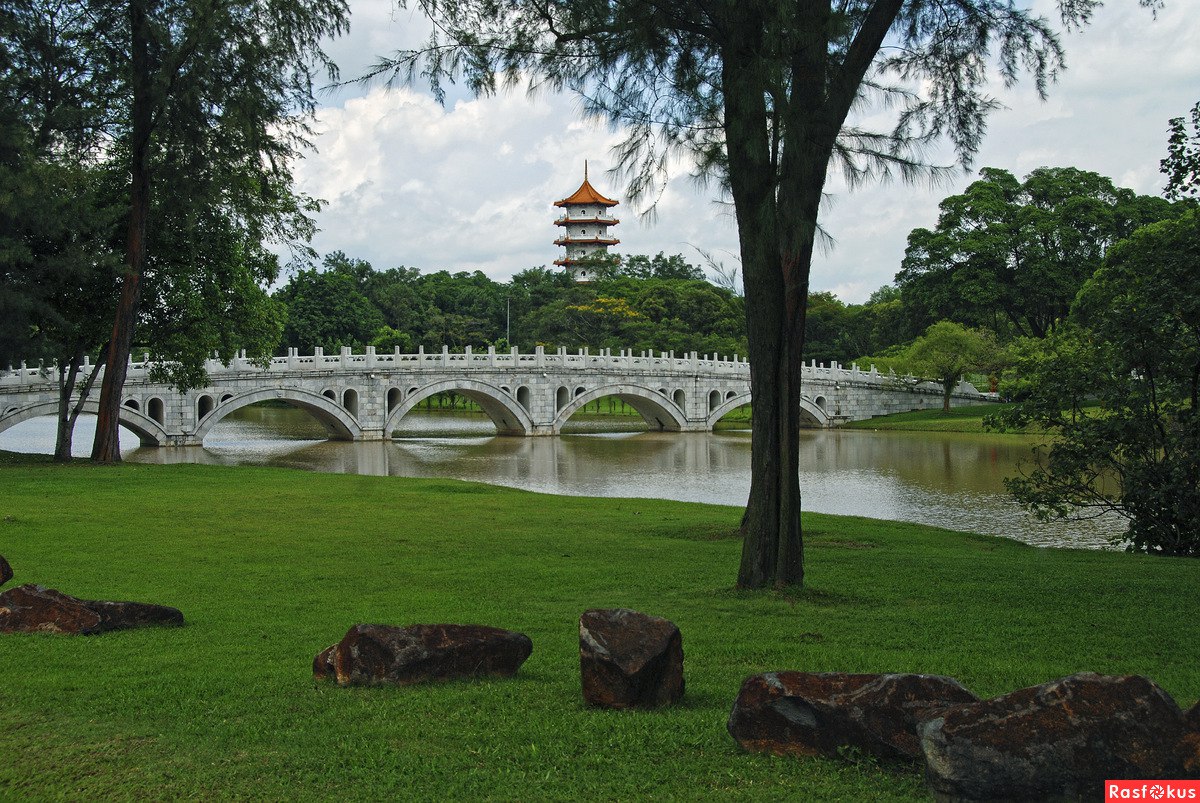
271,565
959,419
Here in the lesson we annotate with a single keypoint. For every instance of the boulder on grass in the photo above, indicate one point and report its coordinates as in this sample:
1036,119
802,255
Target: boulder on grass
1190,744
818,714
1058,740
6,572
384,654
629,659
36,609
323,666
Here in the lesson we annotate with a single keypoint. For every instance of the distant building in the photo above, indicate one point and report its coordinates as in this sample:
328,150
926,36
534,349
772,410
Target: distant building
585,221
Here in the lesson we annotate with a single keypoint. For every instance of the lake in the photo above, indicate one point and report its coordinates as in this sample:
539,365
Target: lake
943,479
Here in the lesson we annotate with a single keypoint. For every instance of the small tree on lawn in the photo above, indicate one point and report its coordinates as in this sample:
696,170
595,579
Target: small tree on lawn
947,351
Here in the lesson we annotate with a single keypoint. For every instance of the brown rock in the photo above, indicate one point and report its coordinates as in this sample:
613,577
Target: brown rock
629,659
6,572
35,609
323,667
1058,740
1190,743
808,714
372,654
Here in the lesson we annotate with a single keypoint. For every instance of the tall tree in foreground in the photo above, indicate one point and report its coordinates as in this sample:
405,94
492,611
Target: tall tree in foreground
760,94
58,209
217,95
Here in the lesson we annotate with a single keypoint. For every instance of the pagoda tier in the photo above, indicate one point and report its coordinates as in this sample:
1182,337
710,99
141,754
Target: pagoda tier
586,220
585,240
599,220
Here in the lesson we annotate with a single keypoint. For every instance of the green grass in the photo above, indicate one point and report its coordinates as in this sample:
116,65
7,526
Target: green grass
270,566
959,419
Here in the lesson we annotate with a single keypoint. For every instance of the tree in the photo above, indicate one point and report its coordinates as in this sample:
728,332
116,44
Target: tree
759,94
1182,164
1118,389
327,309
1011,255
59,211
947,351
217,94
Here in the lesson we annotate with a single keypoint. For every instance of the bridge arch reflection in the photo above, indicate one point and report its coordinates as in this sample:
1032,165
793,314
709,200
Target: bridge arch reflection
659,412
507,413
148,431
338,422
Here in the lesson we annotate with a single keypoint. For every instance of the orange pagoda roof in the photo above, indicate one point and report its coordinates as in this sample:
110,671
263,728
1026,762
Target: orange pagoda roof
586,194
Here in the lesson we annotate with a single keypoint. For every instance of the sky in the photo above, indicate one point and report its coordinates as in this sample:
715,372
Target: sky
471,185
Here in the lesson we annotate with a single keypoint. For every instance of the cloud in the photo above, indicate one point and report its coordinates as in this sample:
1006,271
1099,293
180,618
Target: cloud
471,186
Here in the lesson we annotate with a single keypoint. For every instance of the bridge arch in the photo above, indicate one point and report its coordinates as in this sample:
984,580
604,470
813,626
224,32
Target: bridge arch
149,431
815,412
337,421
509,417
660,412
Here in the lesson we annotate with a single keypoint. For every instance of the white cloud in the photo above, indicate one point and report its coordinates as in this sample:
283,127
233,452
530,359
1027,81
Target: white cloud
471,186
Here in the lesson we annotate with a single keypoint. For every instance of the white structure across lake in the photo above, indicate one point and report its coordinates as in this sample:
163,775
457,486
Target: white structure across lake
364,396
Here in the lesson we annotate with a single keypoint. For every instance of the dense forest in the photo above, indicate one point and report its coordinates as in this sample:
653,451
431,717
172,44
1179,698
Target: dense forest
638,302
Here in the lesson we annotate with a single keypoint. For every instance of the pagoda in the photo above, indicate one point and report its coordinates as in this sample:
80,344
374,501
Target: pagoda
585,221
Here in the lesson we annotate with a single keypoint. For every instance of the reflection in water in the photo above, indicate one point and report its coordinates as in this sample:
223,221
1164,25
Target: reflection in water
948,480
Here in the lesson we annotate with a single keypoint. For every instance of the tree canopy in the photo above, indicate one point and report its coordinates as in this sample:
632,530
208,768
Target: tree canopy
1011,255
1182,163
211,105
1118,387
946,352
349,303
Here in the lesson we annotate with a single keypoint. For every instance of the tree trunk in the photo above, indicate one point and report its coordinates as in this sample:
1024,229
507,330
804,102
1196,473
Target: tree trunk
68,414
772,547
107,446
65,429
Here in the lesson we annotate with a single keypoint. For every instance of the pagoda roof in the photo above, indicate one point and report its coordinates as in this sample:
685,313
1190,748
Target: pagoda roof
586,194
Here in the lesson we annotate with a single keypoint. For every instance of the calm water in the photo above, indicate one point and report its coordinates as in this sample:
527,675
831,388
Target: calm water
949,480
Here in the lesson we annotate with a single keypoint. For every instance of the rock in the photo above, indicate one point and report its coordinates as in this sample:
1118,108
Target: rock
809,714
1190,743
323,666
374,654
35,609
629,659
1058,740
6,572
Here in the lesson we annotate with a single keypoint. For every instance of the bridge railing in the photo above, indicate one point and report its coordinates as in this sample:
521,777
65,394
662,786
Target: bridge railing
624,361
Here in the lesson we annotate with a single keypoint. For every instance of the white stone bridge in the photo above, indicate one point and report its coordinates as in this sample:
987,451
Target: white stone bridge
362,397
